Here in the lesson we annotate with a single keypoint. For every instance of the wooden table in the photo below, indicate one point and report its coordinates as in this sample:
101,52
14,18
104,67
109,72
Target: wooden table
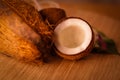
93,67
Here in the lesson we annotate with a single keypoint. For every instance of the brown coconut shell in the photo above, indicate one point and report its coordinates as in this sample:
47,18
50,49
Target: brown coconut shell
30,16
81,54
52,15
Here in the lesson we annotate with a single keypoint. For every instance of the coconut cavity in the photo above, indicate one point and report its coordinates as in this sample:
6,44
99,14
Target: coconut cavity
72,36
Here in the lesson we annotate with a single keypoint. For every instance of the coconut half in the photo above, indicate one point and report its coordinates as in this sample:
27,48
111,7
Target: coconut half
73,38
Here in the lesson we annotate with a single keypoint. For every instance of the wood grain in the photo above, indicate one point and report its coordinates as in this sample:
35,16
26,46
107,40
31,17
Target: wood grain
93,67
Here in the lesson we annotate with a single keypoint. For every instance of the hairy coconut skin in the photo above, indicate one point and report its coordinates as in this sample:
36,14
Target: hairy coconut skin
52,15
20,47
81,54
12,43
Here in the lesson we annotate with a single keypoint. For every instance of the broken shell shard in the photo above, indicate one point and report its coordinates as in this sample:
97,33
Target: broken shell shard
74,38
52,15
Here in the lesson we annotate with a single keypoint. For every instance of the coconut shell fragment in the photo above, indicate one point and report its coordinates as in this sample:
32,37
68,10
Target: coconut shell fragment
52,15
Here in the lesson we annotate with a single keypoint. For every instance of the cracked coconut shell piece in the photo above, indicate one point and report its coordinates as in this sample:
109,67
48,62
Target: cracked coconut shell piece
52,15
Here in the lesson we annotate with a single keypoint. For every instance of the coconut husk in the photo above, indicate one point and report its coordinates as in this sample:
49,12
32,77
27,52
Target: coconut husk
12,42
52,15
29,15
13,45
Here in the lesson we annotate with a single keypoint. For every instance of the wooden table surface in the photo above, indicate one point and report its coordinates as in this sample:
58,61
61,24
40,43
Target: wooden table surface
93,67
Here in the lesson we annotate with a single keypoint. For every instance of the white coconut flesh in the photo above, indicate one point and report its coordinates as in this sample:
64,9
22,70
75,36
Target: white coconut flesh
72,36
